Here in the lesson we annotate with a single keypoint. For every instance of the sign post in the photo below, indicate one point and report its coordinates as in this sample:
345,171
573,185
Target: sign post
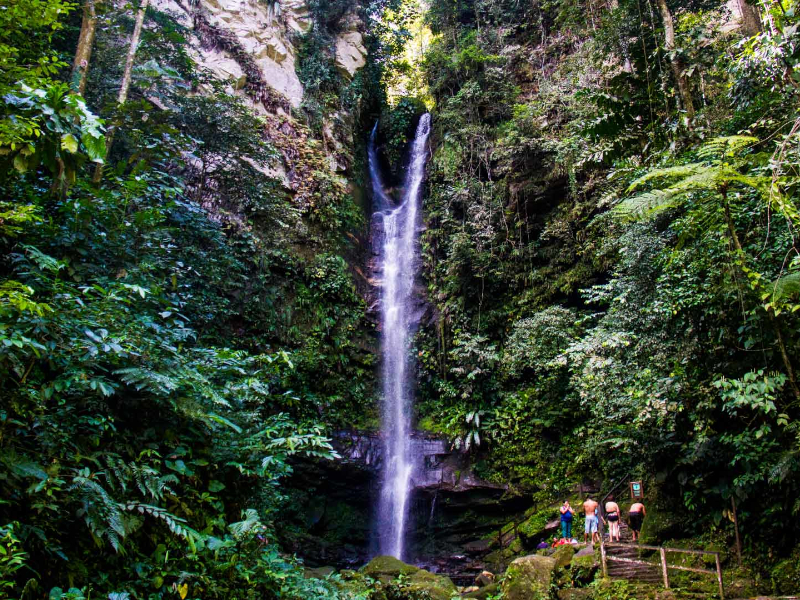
637,491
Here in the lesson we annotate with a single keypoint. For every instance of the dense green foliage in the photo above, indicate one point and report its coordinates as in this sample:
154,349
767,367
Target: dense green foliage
609,253
658,338
170,337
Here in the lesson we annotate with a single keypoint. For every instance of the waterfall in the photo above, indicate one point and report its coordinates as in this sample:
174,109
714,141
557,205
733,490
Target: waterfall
398,260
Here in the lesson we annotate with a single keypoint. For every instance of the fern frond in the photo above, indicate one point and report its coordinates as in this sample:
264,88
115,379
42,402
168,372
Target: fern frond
175,524
668,174
149,381
646,204
100,512
726,146
691,178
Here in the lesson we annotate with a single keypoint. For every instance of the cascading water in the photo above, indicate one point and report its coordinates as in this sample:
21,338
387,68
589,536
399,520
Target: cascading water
398,272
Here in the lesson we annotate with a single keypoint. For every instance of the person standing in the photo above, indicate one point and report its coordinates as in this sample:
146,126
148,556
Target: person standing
567,513
636,518
590,510
612,514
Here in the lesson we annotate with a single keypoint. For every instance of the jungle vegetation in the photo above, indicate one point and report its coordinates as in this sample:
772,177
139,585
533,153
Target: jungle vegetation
611,269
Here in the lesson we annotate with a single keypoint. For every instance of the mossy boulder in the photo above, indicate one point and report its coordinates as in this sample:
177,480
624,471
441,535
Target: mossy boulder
529,578
563,555
438,587
387,568
584,567
418,582
485,592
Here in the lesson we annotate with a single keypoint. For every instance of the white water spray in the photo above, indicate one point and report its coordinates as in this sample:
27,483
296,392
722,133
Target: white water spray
398,269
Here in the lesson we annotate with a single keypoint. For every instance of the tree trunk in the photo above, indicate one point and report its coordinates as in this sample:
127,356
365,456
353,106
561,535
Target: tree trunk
736,529
125,85
80,66
676,63
750,18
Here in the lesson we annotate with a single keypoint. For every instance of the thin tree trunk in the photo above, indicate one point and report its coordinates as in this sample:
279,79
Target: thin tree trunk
751,18
676,63
125,85
80,66
736,529
787,363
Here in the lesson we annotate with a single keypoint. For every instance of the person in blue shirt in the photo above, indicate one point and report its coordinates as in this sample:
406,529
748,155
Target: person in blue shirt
566,520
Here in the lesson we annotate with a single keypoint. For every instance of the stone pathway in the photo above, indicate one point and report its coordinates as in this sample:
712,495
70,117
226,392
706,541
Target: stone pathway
631,571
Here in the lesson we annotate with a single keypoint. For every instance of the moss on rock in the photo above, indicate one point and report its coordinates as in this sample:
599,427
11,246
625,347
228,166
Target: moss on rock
387,568
419,583
537,527
529,578
388,565
563,555
584,568
484,593
574,594
438,587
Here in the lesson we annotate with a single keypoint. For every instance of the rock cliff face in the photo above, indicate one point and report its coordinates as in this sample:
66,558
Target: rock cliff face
456,516
268,33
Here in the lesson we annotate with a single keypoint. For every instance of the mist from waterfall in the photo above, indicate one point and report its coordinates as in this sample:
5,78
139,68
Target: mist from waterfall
398,268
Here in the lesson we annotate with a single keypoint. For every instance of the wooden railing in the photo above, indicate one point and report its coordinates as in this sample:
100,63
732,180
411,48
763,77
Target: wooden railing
664,566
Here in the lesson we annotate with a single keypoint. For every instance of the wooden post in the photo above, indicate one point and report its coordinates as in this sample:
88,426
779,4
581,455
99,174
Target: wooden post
603,557
719,576
736,529
664,567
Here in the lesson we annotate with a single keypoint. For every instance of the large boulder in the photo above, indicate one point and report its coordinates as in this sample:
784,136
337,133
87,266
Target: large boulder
563,555
584,567
387,568
438,587
529,578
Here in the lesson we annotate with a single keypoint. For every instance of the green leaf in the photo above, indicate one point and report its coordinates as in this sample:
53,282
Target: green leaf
69,143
